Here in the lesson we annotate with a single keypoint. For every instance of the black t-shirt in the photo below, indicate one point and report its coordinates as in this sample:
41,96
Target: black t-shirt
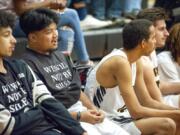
16,93
13,95
57,73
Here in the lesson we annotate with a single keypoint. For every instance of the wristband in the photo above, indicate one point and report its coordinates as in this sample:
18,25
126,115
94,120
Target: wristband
78,116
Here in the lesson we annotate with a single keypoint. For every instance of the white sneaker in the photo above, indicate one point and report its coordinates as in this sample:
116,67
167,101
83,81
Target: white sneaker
92,23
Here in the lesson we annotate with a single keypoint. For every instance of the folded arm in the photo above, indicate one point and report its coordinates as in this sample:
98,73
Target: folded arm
19,124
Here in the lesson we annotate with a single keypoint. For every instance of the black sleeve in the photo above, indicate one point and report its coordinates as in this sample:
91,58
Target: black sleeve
59,115
20,124
28,121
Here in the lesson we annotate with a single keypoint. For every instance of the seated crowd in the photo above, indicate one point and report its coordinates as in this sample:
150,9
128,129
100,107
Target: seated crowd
131,91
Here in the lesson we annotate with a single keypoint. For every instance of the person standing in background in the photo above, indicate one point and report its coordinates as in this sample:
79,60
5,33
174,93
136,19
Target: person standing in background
69,25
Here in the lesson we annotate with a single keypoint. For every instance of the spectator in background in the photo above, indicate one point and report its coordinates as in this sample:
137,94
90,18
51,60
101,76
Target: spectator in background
79,6
131,8
87,21
69,25
169,60
114,9
106,9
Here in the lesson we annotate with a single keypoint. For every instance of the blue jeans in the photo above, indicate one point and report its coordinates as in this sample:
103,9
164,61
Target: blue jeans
70,18
130,5
67,37
106,8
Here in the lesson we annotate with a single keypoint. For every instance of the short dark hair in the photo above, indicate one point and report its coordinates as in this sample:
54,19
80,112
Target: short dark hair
152,14
135,32
7,19
37,19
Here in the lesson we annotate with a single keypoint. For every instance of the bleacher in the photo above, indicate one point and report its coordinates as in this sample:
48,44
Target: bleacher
99,42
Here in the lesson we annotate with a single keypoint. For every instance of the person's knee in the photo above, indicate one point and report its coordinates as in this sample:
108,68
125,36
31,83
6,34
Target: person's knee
66,33
72,13
168,126
65,39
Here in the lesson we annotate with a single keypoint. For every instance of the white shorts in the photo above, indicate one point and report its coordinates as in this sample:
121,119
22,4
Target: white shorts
172,100
107,127
125,121
131,128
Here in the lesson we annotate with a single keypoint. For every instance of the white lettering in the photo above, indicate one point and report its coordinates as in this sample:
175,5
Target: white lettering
63,84
18,106
5,89
57,77
14,97
67,74
55,68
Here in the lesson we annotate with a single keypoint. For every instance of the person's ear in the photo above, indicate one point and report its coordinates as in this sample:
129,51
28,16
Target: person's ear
143,42
32,37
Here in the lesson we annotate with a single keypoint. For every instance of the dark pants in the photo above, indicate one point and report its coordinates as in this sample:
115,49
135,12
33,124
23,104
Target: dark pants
82,12
51,132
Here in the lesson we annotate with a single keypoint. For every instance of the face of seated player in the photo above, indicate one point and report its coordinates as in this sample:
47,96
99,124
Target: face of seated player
161,33
44,40
7,42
